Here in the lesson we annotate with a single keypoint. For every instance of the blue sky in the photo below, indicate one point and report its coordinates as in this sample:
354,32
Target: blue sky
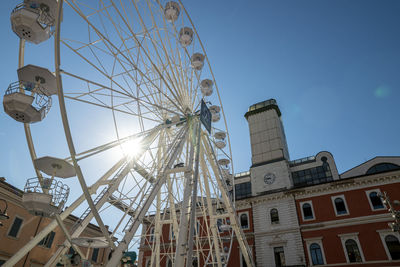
333,67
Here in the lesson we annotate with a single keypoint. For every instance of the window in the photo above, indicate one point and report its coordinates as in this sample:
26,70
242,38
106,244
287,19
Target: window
316,254
315,175
242,190
353,253
375,200
244,220
196,231
171,232
279,255
393,245
95,254
151,239
307,211
195,262
47,241
274,216
340,206
219,223
15,227
169,263
382,167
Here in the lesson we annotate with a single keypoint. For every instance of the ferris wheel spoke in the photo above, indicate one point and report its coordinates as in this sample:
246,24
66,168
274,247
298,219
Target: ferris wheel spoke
175,72
145,51
124,93
110,45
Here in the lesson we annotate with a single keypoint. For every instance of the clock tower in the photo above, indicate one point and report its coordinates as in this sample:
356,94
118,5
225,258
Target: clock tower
269,151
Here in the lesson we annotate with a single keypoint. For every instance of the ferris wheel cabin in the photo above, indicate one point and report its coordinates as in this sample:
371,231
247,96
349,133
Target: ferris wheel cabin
171,11
206,87
29,99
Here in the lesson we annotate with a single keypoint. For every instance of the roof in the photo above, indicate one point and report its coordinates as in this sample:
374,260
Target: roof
363,168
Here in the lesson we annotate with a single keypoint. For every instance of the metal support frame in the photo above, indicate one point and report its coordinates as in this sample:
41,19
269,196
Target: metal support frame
244,247
193,222
53,224
176,146
180,251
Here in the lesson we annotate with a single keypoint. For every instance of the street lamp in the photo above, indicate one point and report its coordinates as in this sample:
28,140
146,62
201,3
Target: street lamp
3,213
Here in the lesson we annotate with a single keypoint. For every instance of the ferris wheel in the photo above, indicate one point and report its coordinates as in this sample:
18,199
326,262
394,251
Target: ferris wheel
132,77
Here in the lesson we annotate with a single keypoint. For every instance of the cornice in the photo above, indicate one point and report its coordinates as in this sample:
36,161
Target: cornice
339,185
274,232
384,217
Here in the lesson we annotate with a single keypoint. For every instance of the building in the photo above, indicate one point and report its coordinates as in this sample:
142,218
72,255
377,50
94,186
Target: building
302,212
22,226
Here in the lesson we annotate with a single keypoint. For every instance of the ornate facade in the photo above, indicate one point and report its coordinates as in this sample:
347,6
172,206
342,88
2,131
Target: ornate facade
303,212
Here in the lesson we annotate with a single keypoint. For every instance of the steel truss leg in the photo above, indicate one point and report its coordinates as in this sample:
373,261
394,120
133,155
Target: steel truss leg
175,148
53,224
193,221
180,252
147,141
244,247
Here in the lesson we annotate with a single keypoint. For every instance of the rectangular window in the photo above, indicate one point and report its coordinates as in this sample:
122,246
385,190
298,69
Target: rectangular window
95,254
242,190
48,240
279,255
15,227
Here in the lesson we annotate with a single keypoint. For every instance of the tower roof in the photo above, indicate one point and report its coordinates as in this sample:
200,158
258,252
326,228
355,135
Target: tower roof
263,106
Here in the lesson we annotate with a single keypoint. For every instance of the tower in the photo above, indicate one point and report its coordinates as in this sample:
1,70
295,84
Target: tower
270,155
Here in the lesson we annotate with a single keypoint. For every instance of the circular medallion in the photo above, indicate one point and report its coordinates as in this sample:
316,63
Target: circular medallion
269,178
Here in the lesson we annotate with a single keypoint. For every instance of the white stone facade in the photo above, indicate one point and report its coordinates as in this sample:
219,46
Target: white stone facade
269,235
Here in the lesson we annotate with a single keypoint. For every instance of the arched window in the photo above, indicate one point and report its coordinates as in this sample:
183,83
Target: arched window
340,206
274,216
195,262
169,263
307,211
393,245
151,239
382,167
353,253
316,254
375,200
219,223
244,221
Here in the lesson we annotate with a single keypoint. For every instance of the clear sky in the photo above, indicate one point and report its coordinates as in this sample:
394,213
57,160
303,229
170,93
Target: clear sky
333,67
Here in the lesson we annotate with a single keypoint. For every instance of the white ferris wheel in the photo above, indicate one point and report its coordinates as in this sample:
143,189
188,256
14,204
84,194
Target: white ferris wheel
139,70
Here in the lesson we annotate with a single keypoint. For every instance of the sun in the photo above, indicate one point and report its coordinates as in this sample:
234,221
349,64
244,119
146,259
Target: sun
132,147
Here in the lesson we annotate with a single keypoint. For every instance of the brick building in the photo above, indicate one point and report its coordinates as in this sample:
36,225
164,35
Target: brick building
303,212
22,226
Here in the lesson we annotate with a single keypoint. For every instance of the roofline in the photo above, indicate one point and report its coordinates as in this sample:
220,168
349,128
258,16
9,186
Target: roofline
368,161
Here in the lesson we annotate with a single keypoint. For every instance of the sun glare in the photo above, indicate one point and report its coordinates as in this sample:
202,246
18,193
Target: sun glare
132,147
